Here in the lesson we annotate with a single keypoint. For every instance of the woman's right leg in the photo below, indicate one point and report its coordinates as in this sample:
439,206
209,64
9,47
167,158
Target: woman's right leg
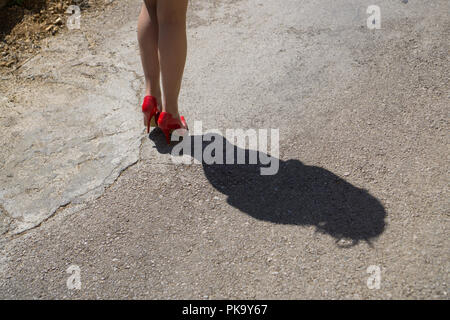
172,50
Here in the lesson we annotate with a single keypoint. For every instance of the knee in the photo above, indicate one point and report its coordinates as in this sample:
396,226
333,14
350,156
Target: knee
172,22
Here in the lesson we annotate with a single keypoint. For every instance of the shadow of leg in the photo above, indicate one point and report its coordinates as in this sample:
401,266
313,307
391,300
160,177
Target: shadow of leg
296,195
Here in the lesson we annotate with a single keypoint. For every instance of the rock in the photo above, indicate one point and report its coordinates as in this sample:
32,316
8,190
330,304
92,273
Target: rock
100,143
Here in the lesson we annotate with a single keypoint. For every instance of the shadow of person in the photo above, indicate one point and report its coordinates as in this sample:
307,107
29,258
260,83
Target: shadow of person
297,194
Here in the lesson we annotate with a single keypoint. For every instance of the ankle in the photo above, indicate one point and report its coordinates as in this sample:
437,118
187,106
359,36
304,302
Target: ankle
173,110
156,96
154,92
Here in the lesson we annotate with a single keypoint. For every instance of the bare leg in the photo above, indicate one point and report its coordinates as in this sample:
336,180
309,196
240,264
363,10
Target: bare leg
172,50
148,44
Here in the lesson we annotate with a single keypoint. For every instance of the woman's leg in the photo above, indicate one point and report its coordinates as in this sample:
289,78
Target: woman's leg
148,44
172,49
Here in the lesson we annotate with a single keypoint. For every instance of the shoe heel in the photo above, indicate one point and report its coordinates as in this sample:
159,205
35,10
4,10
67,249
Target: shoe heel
150,108
148,125
151,121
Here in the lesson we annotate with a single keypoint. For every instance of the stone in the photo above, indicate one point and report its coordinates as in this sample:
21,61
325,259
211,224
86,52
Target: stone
73,134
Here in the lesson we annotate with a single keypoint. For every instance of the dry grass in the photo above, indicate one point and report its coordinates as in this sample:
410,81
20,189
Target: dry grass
24,24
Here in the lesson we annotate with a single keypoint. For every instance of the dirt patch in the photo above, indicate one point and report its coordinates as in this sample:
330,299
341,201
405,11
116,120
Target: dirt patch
26,23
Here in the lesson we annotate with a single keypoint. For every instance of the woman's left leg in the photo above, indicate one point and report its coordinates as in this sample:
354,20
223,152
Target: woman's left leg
148,34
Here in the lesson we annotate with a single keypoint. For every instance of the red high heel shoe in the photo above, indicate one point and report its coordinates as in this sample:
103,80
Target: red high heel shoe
168,124
151,112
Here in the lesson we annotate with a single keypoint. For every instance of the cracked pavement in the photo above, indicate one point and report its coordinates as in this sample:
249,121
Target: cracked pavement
363,180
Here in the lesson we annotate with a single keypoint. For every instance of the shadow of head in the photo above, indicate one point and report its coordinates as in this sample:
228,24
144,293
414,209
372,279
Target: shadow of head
296,194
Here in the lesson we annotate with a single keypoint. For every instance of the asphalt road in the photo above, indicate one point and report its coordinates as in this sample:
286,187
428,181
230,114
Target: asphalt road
362,185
